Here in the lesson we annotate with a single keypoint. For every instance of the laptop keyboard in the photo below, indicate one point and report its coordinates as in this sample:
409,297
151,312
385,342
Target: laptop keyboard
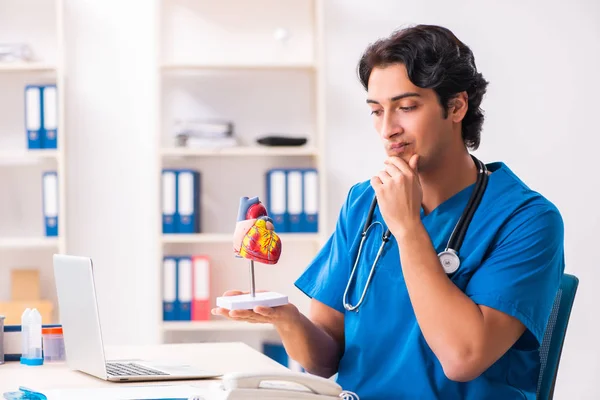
131,369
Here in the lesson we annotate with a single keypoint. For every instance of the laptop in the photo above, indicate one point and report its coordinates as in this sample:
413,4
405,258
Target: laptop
80,320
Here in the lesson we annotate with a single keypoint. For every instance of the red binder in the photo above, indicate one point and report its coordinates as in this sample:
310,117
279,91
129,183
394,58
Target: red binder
200,288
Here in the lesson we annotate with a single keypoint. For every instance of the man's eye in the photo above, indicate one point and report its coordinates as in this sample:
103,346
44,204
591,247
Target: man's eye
408,108
376,112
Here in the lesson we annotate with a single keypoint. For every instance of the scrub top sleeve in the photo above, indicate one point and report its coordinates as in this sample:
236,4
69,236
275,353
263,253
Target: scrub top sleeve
326,276
522,274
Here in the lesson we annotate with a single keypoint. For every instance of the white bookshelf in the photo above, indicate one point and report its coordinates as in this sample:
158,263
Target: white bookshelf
249,151
214,78
257,66
207,238
212,326
16,157
23,243
27,67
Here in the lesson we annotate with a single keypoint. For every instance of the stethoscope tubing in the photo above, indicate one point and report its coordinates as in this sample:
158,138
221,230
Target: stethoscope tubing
452,247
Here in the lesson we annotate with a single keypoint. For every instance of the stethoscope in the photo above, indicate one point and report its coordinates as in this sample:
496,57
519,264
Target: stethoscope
449,257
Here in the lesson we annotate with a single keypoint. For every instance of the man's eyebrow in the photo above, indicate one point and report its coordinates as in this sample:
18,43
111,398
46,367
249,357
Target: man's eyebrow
398,97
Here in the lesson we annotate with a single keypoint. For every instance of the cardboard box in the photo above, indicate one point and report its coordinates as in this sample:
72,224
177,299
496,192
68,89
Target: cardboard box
25,284
13,310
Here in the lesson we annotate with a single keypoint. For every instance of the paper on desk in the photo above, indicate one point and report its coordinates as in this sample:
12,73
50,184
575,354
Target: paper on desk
133,393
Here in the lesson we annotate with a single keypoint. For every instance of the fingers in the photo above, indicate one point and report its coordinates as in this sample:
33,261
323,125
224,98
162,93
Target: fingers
414,162
384,177
234,293
392,171
400,165
265,311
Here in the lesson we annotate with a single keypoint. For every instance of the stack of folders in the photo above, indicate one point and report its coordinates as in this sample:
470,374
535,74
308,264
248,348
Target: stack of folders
180,201
186,288
293,199
41,116
50,202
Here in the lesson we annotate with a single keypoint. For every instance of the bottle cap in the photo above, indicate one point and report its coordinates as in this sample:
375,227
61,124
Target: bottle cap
32,361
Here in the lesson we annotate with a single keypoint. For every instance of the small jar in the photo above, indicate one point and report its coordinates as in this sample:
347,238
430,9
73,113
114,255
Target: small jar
54,345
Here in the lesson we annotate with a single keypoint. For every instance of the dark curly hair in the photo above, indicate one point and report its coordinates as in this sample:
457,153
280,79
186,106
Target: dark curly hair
434,59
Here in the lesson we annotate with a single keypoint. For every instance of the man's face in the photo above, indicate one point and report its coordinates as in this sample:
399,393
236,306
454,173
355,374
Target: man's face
408,119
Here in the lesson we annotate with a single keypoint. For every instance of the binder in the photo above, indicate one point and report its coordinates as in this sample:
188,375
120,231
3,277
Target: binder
201,288
184,288
33,116
188,198
276,352
169,201
294,200
310,211
276,199
50,202
49,116
170,289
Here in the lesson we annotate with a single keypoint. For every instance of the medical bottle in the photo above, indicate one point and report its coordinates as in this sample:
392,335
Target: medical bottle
34,351
25,333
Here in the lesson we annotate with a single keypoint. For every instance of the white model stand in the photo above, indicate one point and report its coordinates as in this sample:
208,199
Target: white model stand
253,299
248,302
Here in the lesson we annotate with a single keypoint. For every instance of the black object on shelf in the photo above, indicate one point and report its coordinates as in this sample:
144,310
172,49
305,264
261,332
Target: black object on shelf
281,141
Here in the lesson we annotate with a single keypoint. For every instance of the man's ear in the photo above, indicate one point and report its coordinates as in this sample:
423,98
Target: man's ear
458,106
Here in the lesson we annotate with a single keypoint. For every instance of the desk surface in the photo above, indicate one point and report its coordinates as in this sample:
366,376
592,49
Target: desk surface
219,357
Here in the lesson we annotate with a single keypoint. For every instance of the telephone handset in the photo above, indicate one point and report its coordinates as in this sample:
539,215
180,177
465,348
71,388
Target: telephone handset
283,386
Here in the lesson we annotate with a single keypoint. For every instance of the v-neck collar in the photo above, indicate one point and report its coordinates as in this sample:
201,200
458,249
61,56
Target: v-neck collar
461,196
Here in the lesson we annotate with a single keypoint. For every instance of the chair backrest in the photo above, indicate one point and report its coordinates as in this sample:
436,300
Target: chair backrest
554,337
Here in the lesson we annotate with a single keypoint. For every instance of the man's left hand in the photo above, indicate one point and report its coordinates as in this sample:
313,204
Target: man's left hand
399,194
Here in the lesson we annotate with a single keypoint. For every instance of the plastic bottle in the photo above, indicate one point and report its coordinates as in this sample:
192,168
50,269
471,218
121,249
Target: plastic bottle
33,354
25,334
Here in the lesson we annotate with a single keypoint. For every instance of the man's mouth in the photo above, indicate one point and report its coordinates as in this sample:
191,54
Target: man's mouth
398,147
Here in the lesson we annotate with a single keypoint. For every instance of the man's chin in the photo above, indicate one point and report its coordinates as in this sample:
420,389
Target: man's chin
403,155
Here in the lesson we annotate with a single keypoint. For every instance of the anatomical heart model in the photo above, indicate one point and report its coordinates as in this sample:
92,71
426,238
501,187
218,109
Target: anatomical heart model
254,239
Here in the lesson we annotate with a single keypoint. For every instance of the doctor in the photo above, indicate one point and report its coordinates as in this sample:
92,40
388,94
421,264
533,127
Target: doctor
449,292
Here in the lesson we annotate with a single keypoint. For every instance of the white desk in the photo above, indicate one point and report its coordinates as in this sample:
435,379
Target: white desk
220,357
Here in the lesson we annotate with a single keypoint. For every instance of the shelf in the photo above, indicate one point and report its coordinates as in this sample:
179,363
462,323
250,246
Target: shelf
208,67
29,243
26,67
224,325
240,151
228,238
16,157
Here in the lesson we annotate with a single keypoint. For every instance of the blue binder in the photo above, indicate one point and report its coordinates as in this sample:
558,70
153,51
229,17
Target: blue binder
276,196
49,116
170,306
50,202
276,352
184,288
294,199
310,201
33,116
188,199
169,201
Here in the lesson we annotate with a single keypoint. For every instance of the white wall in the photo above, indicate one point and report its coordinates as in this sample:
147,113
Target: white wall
542,60
113,172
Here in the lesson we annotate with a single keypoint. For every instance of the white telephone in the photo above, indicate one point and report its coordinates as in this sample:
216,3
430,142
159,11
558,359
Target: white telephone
281,386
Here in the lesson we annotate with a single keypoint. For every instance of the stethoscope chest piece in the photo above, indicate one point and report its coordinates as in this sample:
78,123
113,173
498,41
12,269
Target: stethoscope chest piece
450,261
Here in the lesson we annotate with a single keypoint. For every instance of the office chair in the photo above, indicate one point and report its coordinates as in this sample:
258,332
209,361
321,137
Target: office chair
554,337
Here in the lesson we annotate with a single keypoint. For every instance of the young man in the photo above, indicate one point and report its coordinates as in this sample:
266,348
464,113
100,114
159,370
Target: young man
427,324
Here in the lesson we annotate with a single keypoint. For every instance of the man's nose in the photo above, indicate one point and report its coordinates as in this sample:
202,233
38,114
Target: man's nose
390,127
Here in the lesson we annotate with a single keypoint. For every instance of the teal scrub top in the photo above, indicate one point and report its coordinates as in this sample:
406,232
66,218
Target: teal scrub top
512,260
